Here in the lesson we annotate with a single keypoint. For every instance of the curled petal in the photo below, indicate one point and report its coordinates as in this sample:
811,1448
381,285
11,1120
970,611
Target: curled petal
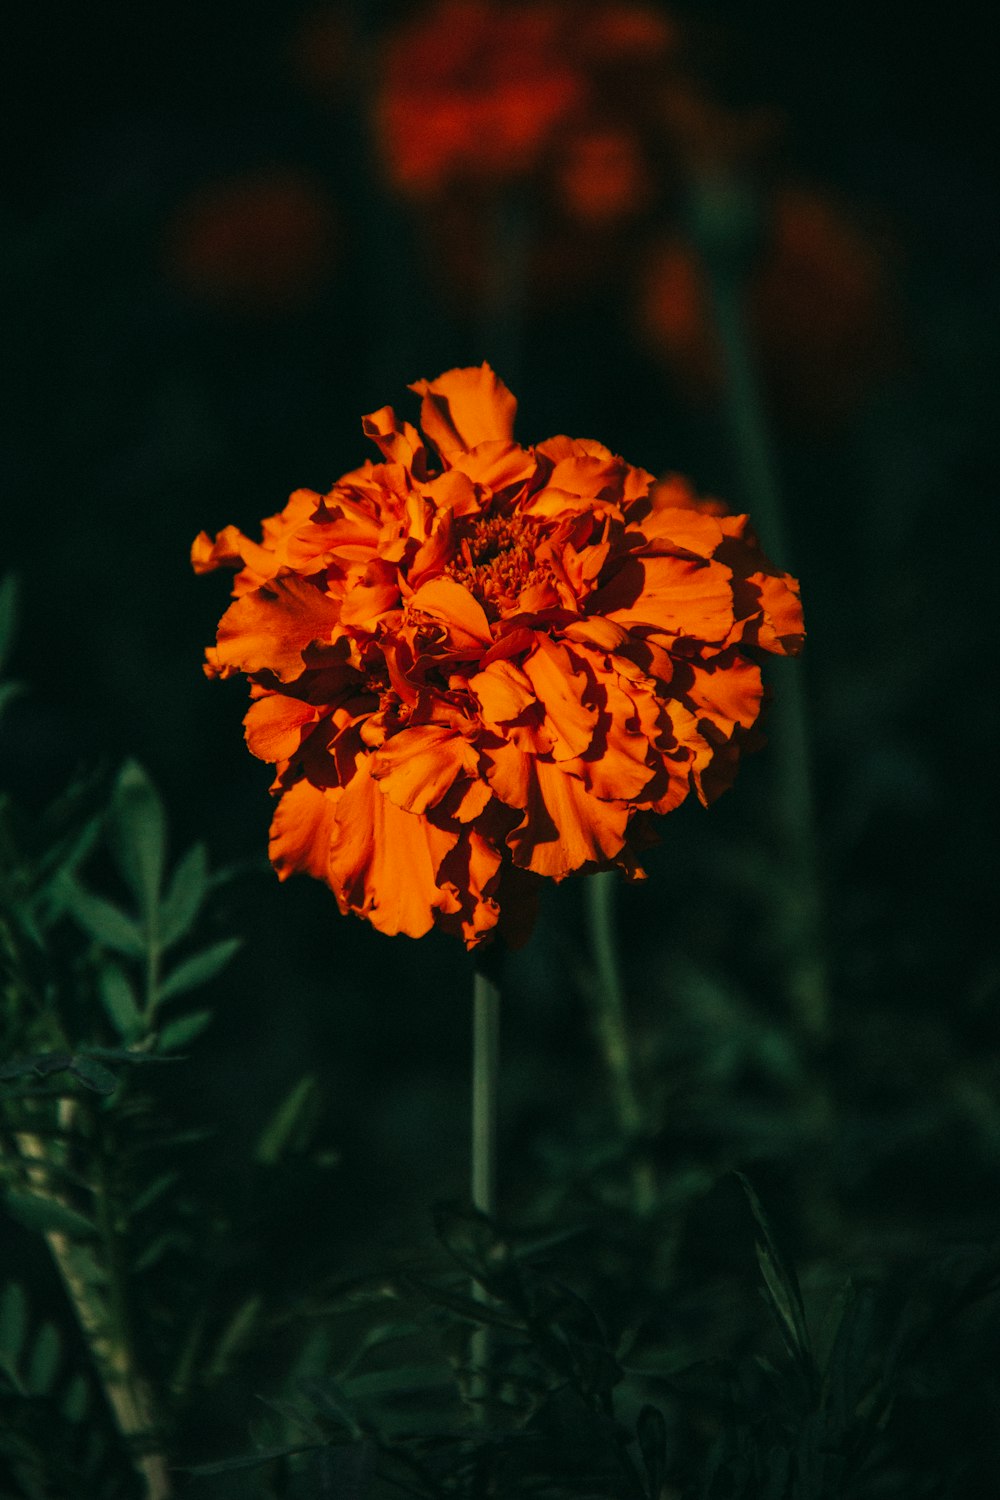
465,407
419,765
275,726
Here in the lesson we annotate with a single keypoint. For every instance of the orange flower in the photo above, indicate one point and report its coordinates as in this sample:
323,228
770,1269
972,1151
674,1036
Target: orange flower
473,663
258,244
817,305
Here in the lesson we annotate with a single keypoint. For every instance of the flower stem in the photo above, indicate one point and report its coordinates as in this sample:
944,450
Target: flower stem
611,1024
94,1288
485,1081
724,223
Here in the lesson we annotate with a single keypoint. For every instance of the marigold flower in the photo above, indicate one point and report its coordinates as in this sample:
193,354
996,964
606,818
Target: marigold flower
474,663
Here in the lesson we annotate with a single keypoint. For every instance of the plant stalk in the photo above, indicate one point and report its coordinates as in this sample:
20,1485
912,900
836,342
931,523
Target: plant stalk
611,1025
485,1089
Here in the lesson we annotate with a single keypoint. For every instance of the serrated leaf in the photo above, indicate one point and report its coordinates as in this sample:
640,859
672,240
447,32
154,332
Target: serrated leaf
651,1431
102,919
200,968
46,1216
9,591
76,1400
118,999
185,896
92,1074
43,1362
137,835
13,1324
292,1124
184,1030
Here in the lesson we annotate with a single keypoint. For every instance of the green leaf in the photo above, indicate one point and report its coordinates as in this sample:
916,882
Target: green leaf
781,1283
103,920
292,1124
249,1460
8,616
13,1324
200,968
47,1216
118,999
184,1030
468,1308
76,1400
401,1380
185,895
92,1074
43,1361
651,1430
236,1332
137,834
152,1191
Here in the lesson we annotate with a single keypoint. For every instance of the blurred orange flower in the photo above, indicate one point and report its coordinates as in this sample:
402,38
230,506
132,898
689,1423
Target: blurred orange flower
257,244
472,663
818,307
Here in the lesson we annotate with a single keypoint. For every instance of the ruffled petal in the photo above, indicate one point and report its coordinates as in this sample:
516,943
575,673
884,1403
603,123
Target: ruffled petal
384,861
417,766
463,408
269,630
565,827
301,830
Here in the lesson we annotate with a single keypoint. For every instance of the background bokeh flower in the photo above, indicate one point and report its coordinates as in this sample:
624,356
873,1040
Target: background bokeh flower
819,304
474,661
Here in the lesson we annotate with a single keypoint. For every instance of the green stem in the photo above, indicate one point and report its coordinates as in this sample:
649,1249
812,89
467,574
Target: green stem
723,220
611,1024
485,1081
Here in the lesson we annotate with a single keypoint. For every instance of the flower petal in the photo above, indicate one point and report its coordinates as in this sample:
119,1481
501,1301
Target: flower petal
301,830
463,408
268,630
417,766
565,827
275,724
383,861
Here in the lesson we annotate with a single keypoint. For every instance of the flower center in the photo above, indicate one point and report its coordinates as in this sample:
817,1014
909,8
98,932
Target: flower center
495,562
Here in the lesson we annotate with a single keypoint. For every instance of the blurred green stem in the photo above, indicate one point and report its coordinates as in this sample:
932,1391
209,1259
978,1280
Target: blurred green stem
724,221
485,1089
95,1288
611,1024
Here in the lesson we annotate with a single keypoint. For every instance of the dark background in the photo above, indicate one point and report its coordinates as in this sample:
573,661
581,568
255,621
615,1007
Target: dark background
137,414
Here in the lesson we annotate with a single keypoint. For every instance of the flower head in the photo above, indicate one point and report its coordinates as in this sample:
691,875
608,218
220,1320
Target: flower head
472,663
